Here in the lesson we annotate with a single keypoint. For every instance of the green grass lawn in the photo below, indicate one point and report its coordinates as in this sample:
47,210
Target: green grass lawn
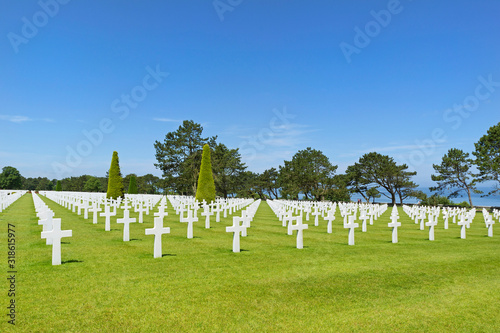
107,285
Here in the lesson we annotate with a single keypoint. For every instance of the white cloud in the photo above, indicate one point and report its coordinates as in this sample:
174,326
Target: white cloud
167,120
15,119
22,119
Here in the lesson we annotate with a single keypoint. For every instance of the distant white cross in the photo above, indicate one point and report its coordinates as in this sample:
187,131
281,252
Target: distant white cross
107,215
126,220
463,223
236,228
394,225
351,226
157,231
55,236
300,230
316,216
94,210
190,219
206,212
329,217
431,224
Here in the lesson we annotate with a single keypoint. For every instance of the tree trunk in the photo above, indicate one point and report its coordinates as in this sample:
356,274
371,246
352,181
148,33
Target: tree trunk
393,198
470,198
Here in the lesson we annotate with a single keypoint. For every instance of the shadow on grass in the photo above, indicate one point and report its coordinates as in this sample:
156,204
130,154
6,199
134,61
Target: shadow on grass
70,261
135,239
65,243
168,255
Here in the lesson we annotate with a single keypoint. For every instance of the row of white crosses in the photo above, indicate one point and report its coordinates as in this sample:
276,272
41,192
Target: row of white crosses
489,221
461,216
285,209
190,206
51,228
7,197
368,212
241,224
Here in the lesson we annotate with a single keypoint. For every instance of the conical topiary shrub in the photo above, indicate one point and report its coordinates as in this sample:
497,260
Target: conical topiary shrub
115,181
58,186
132,185
206,185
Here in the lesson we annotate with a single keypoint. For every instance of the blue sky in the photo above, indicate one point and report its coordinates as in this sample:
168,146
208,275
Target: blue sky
410,79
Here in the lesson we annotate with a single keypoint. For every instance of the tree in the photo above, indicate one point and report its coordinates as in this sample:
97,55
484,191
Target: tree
405,188
148,184
454,174
226,167
380,170
206,185
356,183
373,193
309,172
10,178
59,186
269,182
179,156
115,182
92,185
487,155
132,186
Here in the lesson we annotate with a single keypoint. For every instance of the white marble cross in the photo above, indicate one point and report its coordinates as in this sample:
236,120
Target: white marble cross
157,231
126,220
463,223
351,226
286,218
329,217
446,216
55,236
422,220
364,218
107,215
431,224
236,228
316,215
141,209
190,219
300,230
206,212
47,224
217,210
394,225
94,210
489,224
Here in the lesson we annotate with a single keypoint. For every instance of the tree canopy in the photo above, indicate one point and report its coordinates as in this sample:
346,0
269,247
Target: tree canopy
487,155
115,182
10,178
373,170
206,187
179,156
454,175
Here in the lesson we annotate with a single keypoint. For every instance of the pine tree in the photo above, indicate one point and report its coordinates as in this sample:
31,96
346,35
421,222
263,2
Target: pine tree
115,182
58,186
206,185
132,186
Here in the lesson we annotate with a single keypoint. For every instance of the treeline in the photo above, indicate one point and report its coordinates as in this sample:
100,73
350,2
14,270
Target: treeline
308,175
147,184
